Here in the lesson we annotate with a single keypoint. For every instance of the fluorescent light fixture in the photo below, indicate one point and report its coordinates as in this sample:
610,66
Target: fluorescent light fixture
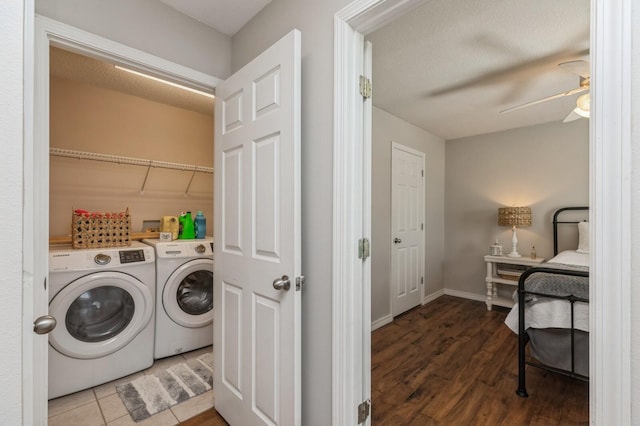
170,83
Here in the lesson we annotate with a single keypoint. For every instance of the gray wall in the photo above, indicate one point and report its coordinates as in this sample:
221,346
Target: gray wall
544,167
150,26
315,20
386,129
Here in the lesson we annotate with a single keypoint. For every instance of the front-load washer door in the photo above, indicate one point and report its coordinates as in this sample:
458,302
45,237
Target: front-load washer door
187,296
99,313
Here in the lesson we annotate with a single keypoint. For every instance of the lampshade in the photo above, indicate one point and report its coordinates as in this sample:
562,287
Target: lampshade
514,216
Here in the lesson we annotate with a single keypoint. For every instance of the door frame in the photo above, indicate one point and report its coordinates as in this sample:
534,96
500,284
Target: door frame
48,32
610,213
423,157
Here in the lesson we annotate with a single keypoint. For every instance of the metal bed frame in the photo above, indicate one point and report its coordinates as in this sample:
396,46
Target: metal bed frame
523,337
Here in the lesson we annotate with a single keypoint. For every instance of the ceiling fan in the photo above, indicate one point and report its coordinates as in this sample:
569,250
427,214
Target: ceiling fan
583,102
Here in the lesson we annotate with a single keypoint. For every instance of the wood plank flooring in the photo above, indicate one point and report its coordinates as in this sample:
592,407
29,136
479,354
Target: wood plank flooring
207,418
452,362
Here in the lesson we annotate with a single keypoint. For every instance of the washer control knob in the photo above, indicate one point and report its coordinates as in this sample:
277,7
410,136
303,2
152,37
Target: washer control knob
200,248
102,259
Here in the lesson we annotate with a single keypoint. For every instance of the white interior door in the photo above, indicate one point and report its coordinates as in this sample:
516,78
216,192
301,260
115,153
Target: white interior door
407,228
257,231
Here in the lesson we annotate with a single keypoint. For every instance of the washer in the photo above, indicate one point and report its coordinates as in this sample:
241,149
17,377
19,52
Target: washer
184,288
104,302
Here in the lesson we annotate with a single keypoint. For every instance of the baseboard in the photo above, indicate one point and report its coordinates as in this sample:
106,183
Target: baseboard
465,295
433,296
381,322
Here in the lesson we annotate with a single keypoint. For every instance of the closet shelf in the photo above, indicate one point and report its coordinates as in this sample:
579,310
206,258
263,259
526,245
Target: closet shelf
83,155
135,236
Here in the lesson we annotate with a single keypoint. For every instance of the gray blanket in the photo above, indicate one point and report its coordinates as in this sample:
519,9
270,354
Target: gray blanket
556,285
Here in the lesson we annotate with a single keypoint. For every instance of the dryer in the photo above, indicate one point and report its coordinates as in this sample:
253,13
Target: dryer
104,301
184,302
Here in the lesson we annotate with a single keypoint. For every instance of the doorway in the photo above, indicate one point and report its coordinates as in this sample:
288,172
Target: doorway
51,34
362,17
407,228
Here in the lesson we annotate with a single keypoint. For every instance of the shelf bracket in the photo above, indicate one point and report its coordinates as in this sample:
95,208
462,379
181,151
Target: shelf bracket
186,191
146,176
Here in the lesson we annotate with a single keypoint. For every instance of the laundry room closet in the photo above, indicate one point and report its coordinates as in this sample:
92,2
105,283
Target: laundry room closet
130,311
98,109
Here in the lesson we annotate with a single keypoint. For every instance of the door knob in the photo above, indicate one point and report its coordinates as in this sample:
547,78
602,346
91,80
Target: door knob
44,324
282,283
397,240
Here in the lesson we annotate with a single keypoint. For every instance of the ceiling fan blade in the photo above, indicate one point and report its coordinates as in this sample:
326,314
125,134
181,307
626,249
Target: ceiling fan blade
571,117
577,67
548,98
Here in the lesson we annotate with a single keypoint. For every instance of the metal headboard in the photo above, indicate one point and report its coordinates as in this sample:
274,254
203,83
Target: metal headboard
556,222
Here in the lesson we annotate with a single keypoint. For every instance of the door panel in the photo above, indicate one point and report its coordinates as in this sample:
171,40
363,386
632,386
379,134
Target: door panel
266,215
257,201
407,219
231,193
231,359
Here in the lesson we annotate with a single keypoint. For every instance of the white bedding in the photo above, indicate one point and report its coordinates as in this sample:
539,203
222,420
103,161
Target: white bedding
571,257
554,313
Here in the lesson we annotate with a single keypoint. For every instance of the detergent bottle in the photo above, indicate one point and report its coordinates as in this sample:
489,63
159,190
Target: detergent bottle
187,231
200,225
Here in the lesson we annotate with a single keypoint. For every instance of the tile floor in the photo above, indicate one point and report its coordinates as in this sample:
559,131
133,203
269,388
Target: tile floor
101,405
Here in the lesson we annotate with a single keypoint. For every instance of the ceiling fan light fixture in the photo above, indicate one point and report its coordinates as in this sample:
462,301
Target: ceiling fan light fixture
583,106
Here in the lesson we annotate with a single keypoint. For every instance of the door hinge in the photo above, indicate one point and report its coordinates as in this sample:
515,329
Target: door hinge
365,87
422,172
363,248
299,282
363,411
422,226
421,280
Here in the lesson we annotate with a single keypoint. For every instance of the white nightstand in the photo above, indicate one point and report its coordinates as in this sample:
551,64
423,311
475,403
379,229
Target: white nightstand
505,270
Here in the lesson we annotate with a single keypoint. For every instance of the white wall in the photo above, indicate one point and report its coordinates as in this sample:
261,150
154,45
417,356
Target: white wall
11,105
150,26
635,219
386,129
544,167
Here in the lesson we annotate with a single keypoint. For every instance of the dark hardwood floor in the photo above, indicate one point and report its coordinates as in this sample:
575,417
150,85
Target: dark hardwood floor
452,362
207,418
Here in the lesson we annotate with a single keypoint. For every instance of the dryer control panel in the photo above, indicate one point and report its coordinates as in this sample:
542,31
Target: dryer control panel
130,256
182,248
65,258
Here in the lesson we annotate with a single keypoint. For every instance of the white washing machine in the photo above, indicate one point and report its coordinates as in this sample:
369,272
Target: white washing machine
184,303
104,302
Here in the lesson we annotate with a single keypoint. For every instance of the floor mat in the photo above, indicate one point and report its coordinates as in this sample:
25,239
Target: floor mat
152,393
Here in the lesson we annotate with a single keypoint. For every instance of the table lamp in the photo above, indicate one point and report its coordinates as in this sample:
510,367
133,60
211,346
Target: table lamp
514,216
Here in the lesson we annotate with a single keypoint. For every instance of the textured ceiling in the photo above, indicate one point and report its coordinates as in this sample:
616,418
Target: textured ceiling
451,66
71,66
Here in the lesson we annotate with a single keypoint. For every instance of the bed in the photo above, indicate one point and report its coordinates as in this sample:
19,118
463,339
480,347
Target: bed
551,310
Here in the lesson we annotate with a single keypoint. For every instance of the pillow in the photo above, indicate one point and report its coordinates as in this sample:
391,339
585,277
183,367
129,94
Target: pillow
583,237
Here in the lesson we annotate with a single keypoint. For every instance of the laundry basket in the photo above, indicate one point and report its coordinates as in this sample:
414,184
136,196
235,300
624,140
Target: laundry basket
100,230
